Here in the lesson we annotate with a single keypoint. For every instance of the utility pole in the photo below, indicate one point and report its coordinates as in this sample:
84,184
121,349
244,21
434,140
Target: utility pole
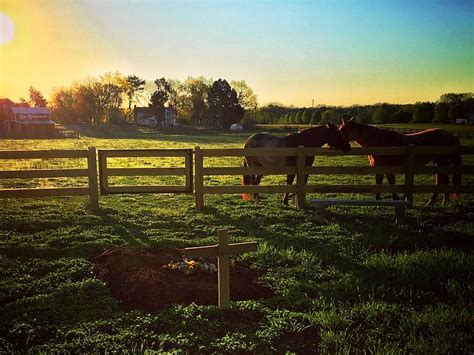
312,103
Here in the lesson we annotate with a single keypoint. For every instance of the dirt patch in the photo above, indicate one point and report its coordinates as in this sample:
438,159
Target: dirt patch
137,278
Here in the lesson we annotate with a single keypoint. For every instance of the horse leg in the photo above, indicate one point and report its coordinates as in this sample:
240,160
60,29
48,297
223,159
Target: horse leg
391,181
289,181
257,179
443,179
378,181
434,197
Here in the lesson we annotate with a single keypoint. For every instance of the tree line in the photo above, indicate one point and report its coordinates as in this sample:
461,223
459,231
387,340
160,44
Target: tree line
446,109
110,99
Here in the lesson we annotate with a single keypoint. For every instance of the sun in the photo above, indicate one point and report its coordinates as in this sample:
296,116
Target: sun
7,29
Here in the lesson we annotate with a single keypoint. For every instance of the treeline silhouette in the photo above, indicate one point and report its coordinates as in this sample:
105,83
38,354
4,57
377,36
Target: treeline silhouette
110,99
447,109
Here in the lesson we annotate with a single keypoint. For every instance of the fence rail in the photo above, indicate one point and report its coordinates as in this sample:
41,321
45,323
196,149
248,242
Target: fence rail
105,172
90,173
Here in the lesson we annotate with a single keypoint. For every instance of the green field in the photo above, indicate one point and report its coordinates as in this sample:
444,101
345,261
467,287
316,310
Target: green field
356,283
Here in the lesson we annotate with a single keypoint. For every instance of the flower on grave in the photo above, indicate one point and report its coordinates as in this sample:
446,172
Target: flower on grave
191,266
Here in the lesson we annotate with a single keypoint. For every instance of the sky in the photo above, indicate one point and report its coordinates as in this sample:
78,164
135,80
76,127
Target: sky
335,52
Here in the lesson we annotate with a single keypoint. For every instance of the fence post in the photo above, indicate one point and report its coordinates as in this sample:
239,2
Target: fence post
103,173
188,162
198,179
300,178
92,175
410,173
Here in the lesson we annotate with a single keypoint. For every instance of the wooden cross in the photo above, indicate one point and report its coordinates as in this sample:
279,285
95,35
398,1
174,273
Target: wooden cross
222,250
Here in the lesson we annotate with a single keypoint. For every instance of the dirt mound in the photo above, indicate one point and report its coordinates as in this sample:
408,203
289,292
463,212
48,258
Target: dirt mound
137,278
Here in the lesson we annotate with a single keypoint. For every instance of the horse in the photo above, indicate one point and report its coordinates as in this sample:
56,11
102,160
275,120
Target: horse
313,137
370,136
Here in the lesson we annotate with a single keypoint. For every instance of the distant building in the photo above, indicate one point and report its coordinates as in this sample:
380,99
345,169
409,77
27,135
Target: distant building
5,105
170,118
236,127
20,120
145,116
30,122
470,118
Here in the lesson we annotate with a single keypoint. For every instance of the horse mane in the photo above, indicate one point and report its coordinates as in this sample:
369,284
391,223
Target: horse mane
309,137
374,136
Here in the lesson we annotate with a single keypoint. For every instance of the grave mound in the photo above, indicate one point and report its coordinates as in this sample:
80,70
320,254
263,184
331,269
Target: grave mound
139,279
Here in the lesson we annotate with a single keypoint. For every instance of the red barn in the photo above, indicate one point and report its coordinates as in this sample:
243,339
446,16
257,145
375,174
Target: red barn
30,122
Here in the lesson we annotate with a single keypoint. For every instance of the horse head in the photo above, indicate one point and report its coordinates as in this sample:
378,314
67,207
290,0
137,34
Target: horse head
349,129
336,139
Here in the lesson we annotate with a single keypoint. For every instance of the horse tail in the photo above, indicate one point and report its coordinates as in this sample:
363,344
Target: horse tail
245,181
456,177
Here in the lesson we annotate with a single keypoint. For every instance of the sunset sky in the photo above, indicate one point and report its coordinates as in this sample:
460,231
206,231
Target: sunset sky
335,52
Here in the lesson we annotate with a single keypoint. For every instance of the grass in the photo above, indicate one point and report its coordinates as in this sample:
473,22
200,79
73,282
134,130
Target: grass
359,283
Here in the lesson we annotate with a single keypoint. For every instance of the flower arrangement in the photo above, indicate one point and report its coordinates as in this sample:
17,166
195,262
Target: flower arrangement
189,266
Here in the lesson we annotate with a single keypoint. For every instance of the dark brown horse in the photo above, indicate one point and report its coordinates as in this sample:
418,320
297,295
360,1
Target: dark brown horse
314,137
370,136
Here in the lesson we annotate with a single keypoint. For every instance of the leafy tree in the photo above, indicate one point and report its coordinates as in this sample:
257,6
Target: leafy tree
224,108
299,117
329,115
363,117
456,98
192,103
383,114
148,90
62,105
85,105
456,111
245,95
306,117
134,88
441,112
293,119
402,117
36,98
424,113
316,117
160,97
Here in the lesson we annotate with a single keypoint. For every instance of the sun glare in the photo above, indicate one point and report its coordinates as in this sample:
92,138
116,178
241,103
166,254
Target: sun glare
7,29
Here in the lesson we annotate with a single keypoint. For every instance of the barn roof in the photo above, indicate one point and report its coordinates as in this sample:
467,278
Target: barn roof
6,101
30,110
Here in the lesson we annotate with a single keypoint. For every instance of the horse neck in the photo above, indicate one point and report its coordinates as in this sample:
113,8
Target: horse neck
314,137
373,136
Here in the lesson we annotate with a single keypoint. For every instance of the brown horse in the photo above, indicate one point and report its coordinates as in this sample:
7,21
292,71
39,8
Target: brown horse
314,137
370,136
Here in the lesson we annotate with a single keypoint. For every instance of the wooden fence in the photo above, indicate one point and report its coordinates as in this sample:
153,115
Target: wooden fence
105,172
409,169
300,189
90,173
